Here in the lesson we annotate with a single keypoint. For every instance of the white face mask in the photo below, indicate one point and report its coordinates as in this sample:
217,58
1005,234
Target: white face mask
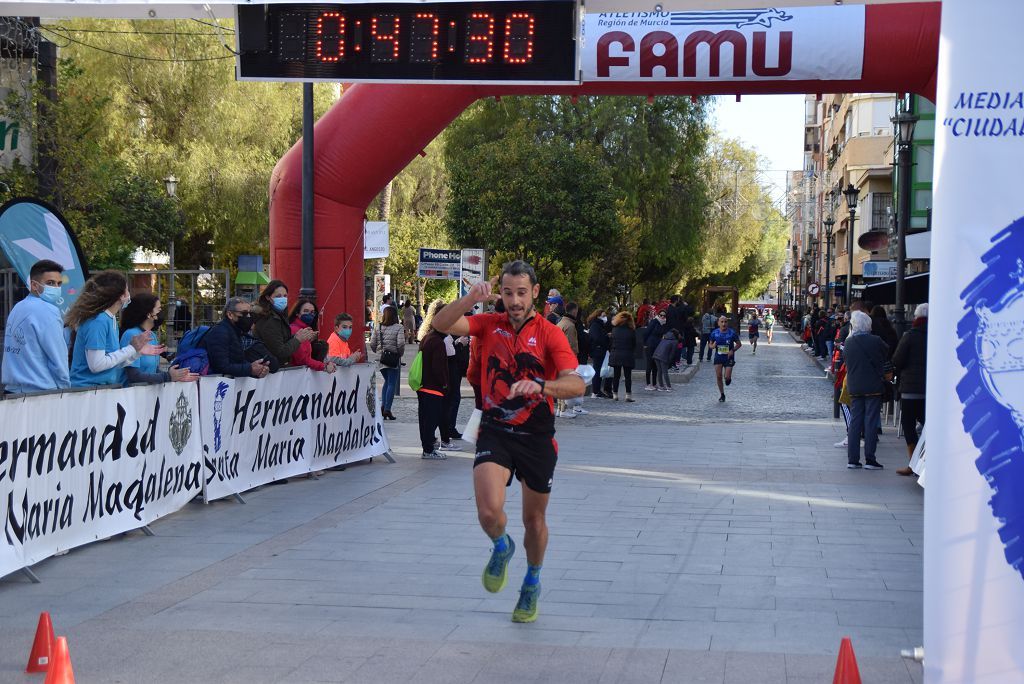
604,319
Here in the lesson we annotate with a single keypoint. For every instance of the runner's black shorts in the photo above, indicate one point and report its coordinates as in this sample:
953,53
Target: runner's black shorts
725,360
531,458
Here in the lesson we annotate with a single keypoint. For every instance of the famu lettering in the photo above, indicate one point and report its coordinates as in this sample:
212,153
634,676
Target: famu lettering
669,54
43,453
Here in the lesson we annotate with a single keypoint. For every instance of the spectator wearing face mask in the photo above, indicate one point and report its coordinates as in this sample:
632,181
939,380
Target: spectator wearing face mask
35,353
338,350
311,353
223,343
272,325
143,316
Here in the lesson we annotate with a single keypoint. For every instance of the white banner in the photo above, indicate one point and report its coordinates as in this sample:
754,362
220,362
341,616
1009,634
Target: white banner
376,241
83,466
974,502
287,424
792,44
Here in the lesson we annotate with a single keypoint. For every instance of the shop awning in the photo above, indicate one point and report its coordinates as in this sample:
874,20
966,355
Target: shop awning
916,290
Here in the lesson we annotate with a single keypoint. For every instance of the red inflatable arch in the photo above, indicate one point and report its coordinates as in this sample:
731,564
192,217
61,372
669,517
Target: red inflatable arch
375,130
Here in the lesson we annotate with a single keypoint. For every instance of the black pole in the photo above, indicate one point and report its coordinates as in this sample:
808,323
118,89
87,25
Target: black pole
828,269
849,259
46,166
899,316
308,289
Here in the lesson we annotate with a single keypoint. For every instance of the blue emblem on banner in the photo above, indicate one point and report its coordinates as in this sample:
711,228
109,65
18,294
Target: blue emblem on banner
30,231
737,18
991,350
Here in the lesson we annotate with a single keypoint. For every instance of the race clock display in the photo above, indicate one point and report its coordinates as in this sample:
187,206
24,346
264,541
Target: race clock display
448,42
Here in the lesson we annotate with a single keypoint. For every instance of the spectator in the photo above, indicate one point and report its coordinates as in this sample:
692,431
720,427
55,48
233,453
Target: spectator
865,356
338,351
675,313
141,317
431,394
881,327
304,318
223,343
910,361
272,326
567,408
645,313
385,302
389,339
663,355
458,365
597,334
35,353
652,338
97,357
409,322
622,353
554,300
708,322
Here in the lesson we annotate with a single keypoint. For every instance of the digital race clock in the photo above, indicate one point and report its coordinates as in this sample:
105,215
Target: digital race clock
531,41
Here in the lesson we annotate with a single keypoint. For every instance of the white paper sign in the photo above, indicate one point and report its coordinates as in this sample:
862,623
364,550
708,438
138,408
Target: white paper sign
83,466
974,501
792,44
376,244
286,424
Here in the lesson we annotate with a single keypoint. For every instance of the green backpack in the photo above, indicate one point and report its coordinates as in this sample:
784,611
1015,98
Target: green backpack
416,373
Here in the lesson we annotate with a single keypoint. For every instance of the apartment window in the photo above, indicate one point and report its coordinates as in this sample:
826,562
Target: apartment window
881,208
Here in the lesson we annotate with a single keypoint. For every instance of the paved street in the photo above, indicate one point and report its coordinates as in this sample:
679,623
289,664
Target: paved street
691,541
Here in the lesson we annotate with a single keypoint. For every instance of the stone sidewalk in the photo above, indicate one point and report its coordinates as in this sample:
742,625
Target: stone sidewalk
691,541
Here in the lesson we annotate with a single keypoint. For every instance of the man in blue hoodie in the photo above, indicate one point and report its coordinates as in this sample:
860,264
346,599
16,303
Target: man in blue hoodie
35,351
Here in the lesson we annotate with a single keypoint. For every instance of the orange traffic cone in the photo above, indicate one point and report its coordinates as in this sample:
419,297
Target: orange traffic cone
60,671
846,665
39,656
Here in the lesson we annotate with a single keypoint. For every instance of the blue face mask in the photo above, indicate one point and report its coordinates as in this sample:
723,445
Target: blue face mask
280,303
345,333
307,318
51,294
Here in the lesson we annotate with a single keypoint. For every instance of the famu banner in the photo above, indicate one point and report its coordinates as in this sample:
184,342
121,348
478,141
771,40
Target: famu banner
82,466
791,44
974,501
289,423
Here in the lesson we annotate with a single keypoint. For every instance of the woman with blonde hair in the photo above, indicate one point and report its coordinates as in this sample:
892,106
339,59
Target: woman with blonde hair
98,357
623,352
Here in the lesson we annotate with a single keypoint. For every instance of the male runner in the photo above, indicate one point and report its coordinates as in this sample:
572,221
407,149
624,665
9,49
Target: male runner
769,324
754,330
526,362
726,342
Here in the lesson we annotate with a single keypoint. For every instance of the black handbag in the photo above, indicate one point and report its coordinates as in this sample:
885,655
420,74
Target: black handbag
390,359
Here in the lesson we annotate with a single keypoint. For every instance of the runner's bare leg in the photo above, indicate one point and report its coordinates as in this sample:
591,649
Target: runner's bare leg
535,539
489,486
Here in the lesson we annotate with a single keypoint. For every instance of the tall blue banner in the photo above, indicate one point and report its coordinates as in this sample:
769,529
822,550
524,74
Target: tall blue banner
32,230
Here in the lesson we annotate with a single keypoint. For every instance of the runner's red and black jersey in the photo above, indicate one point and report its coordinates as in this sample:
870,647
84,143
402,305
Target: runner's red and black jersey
538,350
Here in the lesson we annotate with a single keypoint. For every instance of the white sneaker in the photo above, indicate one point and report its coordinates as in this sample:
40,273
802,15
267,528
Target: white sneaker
842,445
580,410
568,414
649,388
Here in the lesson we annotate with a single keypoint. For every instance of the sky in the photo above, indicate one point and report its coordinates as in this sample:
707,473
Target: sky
773,125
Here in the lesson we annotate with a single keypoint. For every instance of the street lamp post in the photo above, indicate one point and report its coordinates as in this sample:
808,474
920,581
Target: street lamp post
905,122
171,186
829,223
851,194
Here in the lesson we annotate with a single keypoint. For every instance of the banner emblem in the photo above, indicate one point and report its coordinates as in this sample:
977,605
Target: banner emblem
179,425
992,391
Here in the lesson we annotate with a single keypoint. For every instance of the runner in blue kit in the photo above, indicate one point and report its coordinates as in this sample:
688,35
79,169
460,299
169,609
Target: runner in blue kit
725,342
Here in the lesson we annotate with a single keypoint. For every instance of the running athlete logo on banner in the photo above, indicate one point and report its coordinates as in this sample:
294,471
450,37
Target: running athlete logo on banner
798,44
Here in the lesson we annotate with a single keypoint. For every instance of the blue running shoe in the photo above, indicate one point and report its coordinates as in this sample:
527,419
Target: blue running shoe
526,609
496,572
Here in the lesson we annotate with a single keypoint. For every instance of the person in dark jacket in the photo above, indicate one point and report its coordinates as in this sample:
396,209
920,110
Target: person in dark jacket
866,356
663,355
623,353
223,343
676,318
431,395
597,334
690,339
655,329
881,327
910,361
272,326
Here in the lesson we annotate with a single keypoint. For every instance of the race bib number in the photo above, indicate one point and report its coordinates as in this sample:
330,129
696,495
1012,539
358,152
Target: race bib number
723,349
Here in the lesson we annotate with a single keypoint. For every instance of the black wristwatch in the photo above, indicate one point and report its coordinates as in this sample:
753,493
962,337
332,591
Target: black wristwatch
540,381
